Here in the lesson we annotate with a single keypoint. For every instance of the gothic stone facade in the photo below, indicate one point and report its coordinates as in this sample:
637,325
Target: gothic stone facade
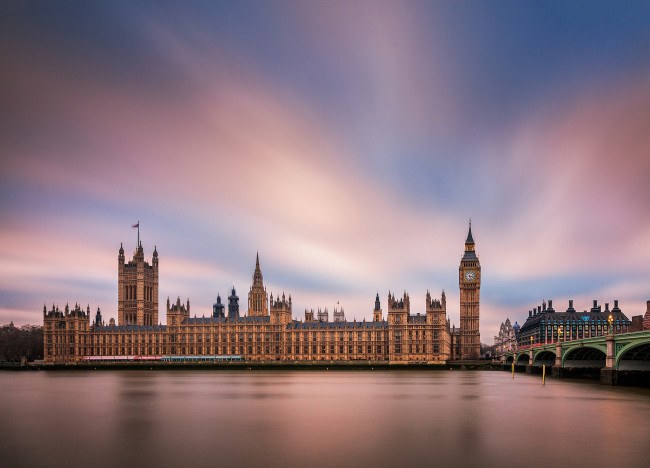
506,340
267,332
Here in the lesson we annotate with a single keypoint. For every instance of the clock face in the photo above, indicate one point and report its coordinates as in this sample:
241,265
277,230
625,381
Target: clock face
469,275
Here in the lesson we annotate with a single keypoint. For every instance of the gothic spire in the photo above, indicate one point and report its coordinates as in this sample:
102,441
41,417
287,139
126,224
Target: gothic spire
257,276
470,239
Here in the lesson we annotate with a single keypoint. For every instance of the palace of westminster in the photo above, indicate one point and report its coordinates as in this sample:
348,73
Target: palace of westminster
268,331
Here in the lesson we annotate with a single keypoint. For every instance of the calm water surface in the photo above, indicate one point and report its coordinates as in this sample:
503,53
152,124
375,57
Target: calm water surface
317,418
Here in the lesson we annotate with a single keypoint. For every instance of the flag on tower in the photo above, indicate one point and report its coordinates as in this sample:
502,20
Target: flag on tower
137,225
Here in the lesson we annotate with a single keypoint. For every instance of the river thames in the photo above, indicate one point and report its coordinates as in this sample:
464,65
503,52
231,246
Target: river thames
317,418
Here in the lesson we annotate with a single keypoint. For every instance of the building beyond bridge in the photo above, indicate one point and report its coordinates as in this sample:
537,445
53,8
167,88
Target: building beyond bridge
546,325
506,339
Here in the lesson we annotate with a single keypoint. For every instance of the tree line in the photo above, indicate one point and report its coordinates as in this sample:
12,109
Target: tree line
19,342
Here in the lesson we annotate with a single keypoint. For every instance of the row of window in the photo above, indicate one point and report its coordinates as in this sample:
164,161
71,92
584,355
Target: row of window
567,333
251,350
226,337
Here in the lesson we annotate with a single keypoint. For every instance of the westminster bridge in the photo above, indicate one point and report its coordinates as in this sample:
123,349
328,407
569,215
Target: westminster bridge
621,359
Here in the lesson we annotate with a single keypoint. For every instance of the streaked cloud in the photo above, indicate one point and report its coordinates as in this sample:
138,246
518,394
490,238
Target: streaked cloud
348,144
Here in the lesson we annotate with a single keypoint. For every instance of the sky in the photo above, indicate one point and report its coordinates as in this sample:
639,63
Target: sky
349,143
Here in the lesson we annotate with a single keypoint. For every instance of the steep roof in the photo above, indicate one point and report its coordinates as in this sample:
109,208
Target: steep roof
470,239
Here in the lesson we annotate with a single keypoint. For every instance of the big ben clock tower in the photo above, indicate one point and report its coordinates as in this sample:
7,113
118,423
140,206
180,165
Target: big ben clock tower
469,280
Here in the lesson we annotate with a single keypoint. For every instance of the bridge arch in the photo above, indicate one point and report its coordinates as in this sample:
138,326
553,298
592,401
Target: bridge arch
545,357
523,359
586,355
509,359
634,356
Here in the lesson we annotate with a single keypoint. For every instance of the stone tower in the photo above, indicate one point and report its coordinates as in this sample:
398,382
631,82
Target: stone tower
257,298
469,279
137,289
398,316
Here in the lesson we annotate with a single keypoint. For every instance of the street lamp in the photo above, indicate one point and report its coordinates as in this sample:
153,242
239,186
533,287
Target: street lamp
531,341
610,319
559,333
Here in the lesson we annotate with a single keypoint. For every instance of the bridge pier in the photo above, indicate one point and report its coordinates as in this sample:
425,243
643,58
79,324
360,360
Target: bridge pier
609,374
530,369
610,361
637,378
556,370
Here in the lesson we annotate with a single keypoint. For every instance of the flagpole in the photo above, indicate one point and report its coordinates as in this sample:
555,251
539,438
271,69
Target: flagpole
137,226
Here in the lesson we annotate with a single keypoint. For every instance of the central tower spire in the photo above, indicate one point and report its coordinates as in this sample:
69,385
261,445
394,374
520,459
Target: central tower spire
257,297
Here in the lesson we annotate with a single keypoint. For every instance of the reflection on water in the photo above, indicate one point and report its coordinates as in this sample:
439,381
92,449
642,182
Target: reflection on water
317,418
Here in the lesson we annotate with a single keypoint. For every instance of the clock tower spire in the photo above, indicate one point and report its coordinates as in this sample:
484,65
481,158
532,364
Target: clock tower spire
469,279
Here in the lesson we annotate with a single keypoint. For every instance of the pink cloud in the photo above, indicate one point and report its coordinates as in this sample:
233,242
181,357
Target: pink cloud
580,168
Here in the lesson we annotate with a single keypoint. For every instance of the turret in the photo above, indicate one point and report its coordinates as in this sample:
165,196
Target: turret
217,308
436,309
377,314
398,312
323,315
233,304
280,310
177,312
